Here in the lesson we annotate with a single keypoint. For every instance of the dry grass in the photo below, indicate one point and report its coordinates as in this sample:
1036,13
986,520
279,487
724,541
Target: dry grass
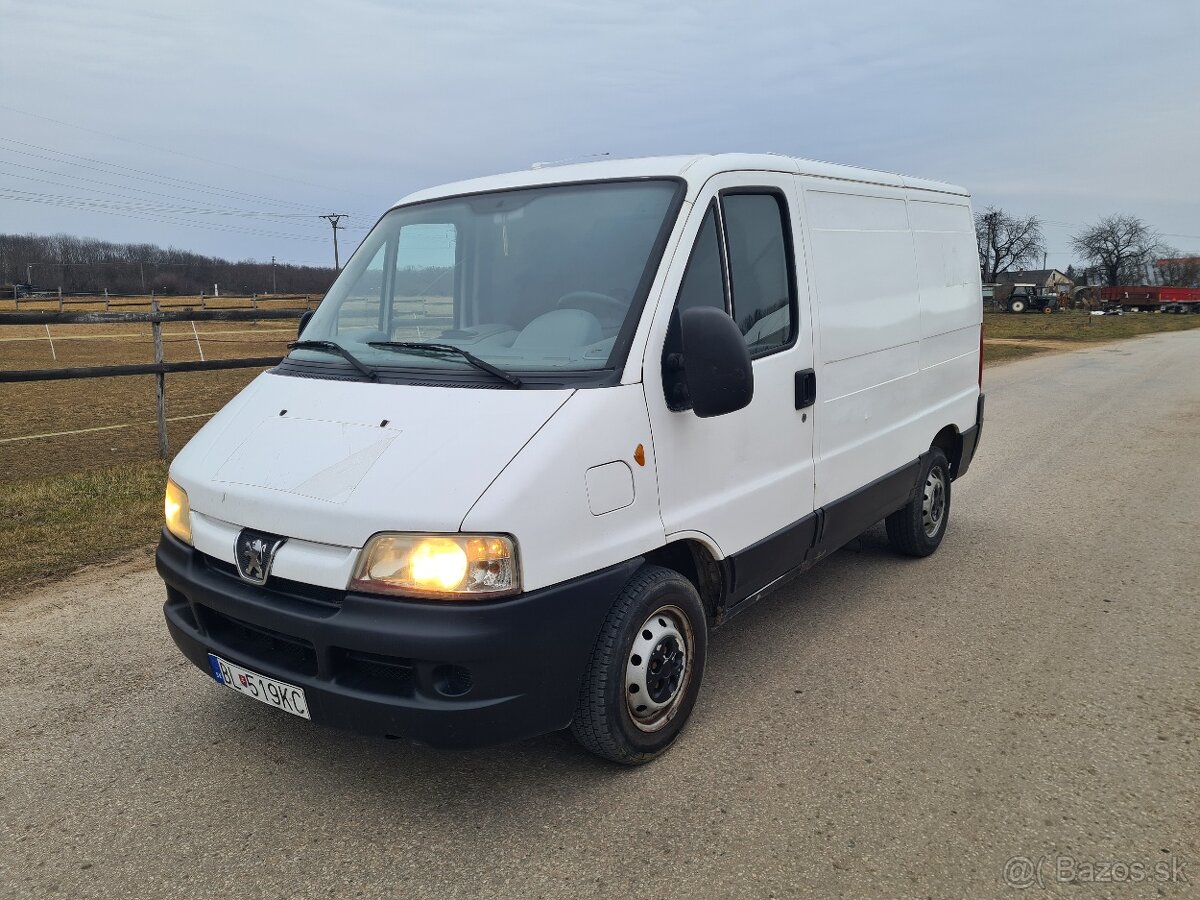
50,408
1010,336
69,500
52,525
995,354
1079,325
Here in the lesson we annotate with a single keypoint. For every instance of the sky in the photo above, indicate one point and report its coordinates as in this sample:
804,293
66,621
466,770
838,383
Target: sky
228,128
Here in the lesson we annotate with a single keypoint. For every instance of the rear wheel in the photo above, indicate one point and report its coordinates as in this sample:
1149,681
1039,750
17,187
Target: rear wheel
1017,306
644,675
918,528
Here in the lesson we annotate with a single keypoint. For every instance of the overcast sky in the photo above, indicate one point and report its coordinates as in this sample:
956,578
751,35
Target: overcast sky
175,114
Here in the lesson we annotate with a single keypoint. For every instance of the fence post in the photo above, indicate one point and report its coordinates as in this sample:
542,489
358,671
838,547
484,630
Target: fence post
160,382
60,305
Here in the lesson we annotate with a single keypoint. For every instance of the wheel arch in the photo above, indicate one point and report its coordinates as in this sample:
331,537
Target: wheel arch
949,441
696,561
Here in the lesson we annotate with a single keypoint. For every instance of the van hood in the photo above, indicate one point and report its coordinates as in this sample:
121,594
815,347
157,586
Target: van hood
335,461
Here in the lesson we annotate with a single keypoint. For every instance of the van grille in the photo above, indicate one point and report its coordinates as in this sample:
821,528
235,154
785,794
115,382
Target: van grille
276,651
391,675
298,590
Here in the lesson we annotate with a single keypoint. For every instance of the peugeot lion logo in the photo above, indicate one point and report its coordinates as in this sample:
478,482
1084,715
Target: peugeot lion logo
255,553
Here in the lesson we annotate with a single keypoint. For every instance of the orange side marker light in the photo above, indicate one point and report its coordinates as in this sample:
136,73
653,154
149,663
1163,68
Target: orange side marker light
639,455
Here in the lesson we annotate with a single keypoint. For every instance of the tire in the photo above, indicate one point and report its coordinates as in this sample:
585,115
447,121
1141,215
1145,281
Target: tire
1048,310
665,668
918,528
1017,306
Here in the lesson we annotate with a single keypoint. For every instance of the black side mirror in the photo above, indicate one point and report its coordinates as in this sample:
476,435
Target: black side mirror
715,362
304,320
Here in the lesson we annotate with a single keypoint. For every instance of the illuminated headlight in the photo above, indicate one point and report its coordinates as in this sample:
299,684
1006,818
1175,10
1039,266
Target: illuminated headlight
177,512
449,566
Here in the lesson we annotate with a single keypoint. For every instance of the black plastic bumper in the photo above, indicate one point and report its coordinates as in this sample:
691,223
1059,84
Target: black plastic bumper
970,440
446,673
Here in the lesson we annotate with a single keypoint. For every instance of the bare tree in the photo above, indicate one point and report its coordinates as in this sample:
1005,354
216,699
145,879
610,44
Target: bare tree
1177,269
1121,247
1006,242
85,264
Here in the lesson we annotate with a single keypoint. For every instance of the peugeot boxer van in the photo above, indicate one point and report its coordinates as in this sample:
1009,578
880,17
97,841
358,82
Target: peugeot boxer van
548,429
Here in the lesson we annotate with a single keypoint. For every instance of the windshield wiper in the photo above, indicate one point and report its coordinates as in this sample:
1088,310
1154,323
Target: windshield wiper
334,347
423,347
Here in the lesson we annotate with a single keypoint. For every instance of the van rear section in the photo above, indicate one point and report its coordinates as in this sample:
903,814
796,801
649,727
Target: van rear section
549,429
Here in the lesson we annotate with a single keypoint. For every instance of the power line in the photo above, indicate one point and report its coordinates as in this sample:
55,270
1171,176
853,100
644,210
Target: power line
136,204
168,180
231,229
168,149
124,201
124,187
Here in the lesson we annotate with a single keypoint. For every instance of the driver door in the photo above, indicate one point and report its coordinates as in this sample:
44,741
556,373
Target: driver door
743,480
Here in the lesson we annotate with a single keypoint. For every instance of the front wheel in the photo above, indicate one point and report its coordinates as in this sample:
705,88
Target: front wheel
917,529
644,675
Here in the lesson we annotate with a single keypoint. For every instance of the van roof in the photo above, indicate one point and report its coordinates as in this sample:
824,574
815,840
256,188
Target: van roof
695,169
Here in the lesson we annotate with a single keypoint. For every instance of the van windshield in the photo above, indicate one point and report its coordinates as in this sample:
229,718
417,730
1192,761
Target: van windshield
537,279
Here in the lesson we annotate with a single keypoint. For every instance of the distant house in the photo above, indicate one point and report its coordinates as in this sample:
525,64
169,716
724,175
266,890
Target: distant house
1182,271
1047,279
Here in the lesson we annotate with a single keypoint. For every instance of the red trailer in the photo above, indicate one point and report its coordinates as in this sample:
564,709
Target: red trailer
1148,297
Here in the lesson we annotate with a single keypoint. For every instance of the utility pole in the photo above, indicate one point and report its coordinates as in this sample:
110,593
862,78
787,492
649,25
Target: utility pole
335,219
273,288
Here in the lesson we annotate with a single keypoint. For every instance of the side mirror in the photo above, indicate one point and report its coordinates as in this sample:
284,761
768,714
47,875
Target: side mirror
715,362
304,320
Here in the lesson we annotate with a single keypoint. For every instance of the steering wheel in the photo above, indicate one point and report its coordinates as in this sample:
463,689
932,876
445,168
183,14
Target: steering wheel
597,304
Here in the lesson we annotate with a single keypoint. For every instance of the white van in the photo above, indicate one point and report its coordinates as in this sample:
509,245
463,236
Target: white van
548,429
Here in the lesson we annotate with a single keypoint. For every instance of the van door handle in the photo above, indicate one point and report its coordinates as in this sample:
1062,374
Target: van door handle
806,388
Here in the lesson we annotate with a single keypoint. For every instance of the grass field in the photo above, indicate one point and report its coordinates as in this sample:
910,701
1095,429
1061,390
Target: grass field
80,481
56,523
1009,336
1080,326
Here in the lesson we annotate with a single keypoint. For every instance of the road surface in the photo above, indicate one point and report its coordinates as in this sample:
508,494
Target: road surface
882,727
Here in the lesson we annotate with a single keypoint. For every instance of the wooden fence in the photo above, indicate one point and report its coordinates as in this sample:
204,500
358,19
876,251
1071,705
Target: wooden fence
160,368
64,299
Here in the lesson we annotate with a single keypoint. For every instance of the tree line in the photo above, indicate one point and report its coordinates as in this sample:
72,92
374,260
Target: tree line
86,265
1117,250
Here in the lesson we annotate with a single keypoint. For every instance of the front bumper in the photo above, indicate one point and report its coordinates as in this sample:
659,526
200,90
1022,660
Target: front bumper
446,673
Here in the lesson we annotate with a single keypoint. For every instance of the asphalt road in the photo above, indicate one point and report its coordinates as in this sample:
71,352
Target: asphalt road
881,727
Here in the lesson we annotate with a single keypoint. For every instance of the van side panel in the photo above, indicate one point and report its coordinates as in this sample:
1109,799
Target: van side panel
865,281
951,308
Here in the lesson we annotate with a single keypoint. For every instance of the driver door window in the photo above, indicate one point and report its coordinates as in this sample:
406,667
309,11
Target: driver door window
741,263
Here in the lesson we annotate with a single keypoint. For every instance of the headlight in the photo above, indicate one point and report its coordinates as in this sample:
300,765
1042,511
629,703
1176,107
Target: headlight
450,566
177,512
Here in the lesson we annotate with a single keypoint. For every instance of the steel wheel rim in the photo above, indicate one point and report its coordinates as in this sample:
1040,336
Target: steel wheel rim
658,668
933,501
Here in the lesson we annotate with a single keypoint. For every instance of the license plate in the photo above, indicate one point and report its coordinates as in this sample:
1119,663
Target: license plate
274,693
